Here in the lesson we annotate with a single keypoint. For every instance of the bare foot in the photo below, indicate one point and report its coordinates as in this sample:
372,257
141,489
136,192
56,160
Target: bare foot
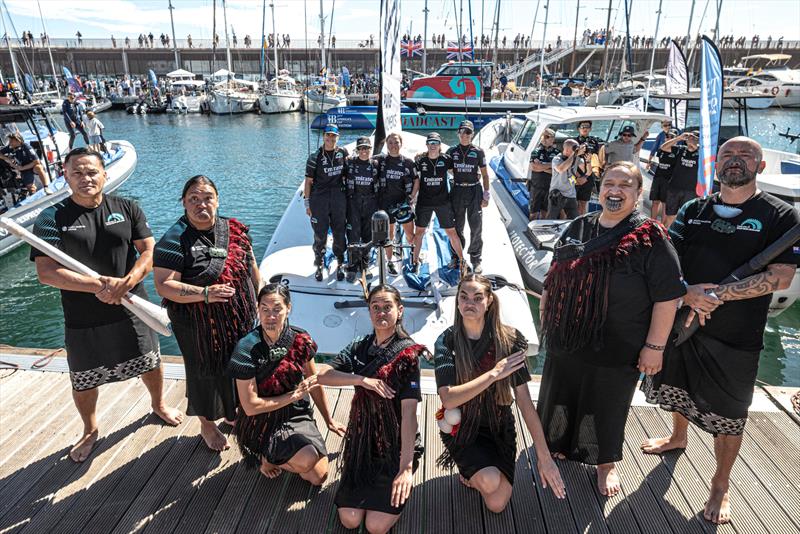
718,506
171,416
81,450
608,479
215,440
558,456
464,481
662,445
269,470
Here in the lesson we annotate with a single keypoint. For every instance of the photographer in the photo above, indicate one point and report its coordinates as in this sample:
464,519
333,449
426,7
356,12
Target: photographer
569,170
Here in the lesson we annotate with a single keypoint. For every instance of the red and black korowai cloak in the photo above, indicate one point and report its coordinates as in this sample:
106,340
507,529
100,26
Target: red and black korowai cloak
371,445
212,330
579,277
277,373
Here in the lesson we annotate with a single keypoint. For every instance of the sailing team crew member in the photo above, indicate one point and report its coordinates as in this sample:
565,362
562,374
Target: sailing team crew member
382,447
20,156
541,167
206,271
607,308
361,177
479,361
72,119
326,200
683,182
398,187
275,373
583,192
433,197
104,341
470,192
662,173
709,379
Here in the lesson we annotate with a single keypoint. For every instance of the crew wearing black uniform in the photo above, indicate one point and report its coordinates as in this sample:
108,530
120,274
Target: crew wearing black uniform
362,202
468,164
662,173
397,190
541,173
326,201
433,197
583,193
682,184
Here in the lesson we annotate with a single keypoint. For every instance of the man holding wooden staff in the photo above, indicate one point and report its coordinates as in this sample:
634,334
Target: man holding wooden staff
104,341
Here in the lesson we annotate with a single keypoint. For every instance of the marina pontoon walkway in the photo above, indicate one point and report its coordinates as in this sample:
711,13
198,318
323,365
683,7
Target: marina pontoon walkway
146,476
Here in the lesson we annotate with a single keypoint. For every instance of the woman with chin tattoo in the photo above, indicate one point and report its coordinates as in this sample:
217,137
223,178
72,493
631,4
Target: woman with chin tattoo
275,373
608,305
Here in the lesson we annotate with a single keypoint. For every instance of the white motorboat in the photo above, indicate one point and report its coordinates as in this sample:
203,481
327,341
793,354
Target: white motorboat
281,95
233,96
323,98
188,94
770,75
120,164
508,144
334,312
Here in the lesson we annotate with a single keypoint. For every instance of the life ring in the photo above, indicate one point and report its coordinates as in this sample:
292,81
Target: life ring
555,92
775,90
587,92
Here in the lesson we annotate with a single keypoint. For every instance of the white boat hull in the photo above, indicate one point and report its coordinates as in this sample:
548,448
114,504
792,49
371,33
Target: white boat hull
277,103
226,103
316,103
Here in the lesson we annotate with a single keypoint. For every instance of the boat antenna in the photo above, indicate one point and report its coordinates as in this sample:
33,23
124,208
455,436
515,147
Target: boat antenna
174,42
541,59
652,57
262,70
49,51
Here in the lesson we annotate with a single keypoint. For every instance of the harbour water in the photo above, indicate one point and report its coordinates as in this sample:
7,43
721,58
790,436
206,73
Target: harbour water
257,163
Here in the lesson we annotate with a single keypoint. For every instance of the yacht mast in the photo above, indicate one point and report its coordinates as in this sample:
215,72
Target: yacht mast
14,66
575,39
496,31
541,59
652,57
227,41
174,42
274,40
605,44
49,51
425,41
262,70
322,38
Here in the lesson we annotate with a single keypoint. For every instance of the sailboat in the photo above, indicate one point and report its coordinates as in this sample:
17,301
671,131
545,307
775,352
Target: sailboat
231,95
334,312
281,93
328,94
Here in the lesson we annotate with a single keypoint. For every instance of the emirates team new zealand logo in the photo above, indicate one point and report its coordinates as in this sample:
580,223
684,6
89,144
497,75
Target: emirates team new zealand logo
115,218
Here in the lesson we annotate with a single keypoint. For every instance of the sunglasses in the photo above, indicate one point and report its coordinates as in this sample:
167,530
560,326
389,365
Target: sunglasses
626,135
432,143
584,126
363,147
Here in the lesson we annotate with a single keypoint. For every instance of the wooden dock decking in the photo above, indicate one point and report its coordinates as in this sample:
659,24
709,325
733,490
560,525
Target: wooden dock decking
146,476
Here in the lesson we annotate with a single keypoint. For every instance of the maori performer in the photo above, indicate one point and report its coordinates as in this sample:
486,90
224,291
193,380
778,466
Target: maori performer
708,380
207,274
607,309
382,447
479,361
274,370
104,341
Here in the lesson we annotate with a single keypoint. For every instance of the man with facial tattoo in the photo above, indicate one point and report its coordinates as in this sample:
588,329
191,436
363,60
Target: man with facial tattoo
708,380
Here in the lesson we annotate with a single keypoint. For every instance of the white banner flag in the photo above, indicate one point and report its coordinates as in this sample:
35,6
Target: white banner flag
677,82
391,76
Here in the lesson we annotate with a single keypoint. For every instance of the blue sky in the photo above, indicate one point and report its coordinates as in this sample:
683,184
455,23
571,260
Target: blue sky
356,19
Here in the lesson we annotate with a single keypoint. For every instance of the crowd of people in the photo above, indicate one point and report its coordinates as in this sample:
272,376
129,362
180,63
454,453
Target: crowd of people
609,304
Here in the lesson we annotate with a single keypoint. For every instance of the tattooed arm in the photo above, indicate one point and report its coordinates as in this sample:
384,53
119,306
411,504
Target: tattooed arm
777,276
169,286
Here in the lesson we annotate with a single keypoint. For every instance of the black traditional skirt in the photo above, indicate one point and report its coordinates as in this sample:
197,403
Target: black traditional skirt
376,496
110,353
708,382
298,431
484,452
583,408
209,396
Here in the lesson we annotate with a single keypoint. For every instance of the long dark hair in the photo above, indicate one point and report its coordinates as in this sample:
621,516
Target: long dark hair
466,367
399,330
199,179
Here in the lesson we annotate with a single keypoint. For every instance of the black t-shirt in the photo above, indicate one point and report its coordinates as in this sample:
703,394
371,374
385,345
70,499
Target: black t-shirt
101,238
648,275
684,173
23,155
432,179
444,357
541,179
711,248
327,168
349,360
466,162
396,176
593,145
665,165
361,177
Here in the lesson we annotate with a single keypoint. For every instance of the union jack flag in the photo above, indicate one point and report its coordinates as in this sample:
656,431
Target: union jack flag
410,49
457,51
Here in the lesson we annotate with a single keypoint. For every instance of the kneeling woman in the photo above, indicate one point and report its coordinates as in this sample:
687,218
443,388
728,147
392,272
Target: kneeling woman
479,361
381,447
277,429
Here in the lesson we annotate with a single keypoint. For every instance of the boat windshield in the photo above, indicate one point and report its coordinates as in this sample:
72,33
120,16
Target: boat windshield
604,130
525,134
